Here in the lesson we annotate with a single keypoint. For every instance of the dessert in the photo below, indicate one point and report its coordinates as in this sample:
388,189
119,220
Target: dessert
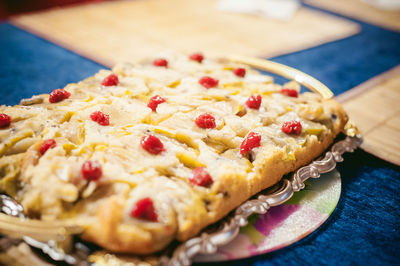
152,152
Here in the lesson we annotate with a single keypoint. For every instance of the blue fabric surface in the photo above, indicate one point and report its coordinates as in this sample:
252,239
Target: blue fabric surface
363,230
30,65
341,65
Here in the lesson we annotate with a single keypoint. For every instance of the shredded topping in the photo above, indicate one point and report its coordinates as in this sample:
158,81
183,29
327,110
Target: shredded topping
209,124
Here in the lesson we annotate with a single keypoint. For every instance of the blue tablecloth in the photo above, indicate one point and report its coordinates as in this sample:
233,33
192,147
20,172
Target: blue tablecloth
363,230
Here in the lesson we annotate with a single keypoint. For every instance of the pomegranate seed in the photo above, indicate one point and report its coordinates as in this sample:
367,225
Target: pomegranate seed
254,102
197,57
155,101
253,140
161,62
240,72
290,92
5,120
110,80
201,177
91,170
152,144
58,95
144,209
47,144
101,118
205,121
292,127
208,82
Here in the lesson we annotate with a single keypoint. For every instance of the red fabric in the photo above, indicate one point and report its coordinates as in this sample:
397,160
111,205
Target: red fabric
14,7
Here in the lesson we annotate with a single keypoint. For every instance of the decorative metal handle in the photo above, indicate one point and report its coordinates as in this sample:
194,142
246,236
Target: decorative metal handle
208,243
19,226
54,239
285,71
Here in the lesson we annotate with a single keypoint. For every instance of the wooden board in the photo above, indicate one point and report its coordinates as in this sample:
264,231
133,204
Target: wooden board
362,11
374,106
116,31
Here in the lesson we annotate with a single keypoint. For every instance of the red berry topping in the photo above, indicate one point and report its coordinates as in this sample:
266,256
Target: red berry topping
111,80
208,82
292,127
201,177
290,92
253,140
161,62
47,144
5,120
144,209
58,95
152,144
254,102
101,118
205,121
154,102
197,57
240,72
91,170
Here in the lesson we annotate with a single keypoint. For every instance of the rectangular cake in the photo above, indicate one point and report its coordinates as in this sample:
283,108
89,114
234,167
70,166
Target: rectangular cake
156,151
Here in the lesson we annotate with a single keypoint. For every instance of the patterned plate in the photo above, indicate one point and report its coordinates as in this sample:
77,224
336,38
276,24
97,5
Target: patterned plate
285,224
